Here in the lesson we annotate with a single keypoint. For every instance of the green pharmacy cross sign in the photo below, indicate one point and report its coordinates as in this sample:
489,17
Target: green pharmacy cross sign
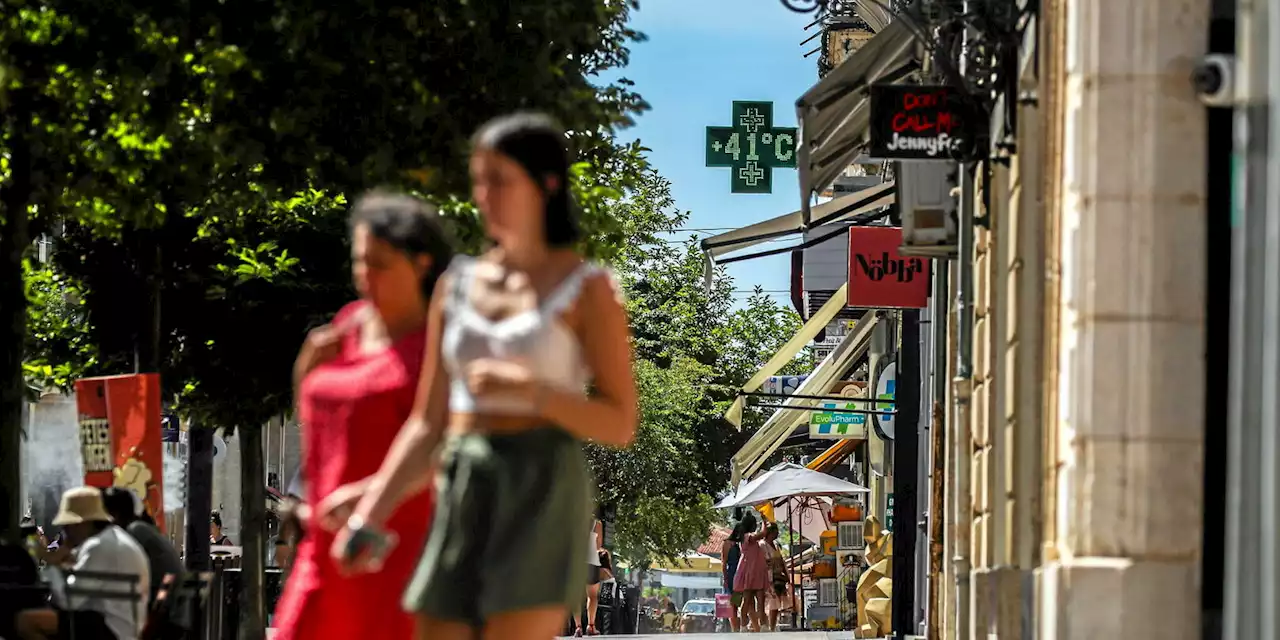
752,148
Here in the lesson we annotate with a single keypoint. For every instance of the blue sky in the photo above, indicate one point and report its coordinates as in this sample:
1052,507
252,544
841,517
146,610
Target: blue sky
702,55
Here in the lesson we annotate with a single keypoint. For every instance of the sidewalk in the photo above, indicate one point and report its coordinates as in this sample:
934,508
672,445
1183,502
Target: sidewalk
781,635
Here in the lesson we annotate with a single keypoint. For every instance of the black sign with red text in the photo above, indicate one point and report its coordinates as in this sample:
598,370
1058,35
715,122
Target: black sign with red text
920,122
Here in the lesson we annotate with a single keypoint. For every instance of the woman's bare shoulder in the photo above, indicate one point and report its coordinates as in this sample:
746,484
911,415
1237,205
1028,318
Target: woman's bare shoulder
601,286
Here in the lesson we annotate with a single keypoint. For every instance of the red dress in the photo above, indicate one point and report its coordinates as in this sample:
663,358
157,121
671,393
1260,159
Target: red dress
351,409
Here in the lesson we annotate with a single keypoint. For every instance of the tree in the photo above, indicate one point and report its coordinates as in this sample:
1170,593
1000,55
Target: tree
72,120
694,350
202,125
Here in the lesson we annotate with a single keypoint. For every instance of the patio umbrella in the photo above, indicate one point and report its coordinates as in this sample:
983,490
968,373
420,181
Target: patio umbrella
788,480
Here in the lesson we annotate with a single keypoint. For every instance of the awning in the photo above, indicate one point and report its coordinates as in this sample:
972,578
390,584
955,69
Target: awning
786,482
676,581
689,563
779,426
834,115
834,455
816,323
840,209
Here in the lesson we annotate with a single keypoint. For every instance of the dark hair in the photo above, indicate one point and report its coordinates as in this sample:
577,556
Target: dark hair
215,518
119,505
536,143
410,225
744,526
771,529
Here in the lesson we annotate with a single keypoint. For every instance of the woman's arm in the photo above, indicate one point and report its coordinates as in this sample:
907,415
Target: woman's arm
610,416
406,469
324,343
599,536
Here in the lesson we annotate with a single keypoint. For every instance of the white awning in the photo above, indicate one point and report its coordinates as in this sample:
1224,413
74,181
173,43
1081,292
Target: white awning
843,208
835,114
677,581
816,323
783,422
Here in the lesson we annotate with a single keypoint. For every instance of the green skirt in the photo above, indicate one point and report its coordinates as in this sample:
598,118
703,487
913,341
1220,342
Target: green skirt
513,512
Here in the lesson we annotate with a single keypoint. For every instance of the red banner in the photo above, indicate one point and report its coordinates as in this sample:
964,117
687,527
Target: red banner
879,276
120,436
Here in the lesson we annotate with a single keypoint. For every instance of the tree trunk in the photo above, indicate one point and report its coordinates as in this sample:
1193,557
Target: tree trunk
146,347
15,199
199,502
253,528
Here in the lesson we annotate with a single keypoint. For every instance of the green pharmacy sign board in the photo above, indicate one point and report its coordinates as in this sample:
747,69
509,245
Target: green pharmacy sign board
838,425
751,147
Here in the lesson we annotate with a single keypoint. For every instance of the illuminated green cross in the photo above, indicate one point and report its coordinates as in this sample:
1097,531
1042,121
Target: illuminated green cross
751,148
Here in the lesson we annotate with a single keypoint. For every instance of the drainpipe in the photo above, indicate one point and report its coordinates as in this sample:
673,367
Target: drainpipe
961,446
1252,583
938,317
962,385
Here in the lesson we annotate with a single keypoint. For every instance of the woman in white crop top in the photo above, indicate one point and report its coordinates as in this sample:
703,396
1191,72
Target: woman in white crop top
514,339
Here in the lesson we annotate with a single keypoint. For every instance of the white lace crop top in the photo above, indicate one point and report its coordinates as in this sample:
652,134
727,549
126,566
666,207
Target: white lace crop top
538,338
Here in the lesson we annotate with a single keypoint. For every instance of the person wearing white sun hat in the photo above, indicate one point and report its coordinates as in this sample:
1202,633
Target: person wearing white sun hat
99,547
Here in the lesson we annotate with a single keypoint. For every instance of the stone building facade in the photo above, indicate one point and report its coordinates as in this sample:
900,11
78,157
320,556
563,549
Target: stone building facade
1083,430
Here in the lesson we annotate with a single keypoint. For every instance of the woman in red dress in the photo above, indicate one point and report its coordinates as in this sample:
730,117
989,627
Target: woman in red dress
355,380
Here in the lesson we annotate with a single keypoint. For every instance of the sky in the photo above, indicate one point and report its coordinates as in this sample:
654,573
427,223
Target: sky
700,56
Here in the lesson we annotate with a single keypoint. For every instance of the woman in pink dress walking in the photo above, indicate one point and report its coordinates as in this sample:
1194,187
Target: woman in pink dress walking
752,578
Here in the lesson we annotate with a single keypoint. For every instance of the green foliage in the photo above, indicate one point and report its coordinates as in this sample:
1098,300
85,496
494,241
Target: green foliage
197,160
695,348
200,156
57,328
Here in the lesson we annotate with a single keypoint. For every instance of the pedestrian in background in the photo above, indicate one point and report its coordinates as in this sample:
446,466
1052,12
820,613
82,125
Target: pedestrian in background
216,537
730,555
777,597
594,578
124,506
752,577
355,380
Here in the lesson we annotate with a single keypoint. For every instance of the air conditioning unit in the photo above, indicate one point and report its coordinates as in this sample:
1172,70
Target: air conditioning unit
849,535
928,210
829,592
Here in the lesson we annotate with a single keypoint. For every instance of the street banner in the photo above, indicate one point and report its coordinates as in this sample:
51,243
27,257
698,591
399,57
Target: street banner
121,441
879,276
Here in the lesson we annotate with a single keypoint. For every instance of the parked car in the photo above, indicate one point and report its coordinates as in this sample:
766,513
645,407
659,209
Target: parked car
698,616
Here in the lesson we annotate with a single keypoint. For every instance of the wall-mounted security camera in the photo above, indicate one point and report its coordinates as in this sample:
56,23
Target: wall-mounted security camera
1214,80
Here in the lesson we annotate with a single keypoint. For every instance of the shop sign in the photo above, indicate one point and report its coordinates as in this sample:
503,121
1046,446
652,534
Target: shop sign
888,514
920,122
839,425
886,387
843,43
879,276
751,147
782,385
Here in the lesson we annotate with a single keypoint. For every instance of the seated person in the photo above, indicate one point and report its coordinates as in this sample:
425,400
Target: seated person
162,559
114,612
19,585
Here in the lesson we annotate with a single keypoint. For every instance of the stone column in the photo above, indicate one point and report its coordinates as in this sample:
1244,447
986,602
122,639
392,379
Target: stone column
1131,396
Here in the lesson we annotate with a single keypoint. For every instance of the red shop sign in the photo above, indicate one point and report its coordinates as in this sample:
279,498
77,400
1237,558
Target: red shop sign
879,276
